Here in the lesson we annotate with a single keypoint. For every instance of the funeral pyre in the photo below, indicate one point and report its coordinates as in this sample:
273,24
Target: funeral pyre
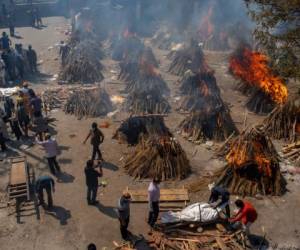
252,166
186,239
88,102
284,121
134,127
187,58
158,156
210,117
266,89
291,152
82,63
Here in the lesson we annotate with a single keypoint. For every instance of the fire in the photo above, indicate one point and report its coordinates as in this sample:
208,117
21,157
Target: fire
206,27
239,156
204,89
252,67
117,99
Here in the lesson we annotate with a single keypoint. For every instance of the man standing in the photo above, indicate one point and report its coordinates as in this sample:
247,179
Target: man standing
124,214
97,138
51,148
220,193
47,183
244,217
36,105
5,41
153,197
92,175
32,59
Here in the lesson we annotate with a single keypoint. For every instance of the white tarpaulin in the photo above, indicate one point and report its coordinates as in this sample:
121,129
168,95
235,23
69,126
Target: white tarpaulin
200,212
9,91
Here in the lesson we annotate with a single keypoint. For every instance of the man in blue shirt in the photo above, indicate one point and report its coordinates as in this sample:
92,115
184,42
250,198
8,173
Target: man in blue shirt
221,193
5,41
47,183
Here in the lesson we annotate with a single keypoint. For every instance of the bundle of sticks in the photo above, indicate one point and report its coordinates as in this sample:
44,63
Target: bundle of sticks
82,64
291,152
187,240
284,121
150,102
216,125
158,156
190,58
259,102
54,98
252,166
131,130
88,102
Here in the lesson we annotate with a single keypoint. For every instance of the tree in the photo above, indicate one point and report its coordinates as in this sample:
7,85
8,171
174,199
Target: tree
278,32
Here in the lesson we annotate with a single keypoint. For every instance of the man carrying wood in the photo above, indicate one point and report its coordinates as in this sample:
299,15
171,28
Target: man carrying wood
153,198
92,175
220,193
123,211
47,183
97,138
245,216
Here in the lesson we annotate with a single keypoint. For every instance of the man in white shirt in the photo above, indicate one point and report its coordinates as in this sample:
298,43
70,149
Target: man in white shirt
153,198
51,148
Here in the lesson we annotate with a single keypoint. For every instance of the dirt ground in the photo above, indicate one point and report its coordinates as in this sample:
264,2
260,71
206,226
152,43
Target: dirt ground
72,224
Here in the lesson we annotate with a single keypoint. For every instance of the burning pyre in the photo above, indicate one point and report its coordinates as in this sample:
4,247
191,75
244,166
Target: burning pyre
134,127
252,69
189,58
284,121
210,118
158,156
82,64
252,166
88,102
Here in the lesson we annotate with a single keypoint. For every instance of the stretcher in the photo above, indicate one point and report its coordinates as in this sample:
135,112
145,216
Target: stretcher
18,186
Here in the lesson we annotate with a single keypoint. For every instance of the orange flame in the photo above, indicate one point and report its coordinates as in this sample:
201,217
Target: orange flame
206,27
252,67
239,155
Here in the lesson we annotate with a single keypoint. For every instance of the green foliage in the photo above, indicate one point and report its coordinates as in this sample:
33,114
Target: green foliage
278,32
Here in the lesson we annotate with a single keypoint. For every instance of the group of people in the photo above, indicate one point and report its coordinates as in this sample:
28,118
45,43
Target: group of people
15,63
21,114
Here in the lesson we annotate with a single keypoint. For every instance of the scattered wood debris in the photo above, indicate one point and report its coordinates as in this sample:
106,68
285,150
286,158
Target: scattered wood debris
292,152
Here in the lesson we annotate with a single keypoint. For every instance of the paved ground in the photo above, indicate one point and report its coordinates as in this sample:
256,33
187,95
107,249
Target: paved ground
72,224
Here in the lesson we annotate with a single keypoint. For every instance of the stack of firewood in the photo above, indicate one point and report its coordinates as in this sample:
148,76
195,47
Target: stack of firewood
88,102
131,130
158,156
252,166
284,121
82,64
190,58
217,125
292,152
186,240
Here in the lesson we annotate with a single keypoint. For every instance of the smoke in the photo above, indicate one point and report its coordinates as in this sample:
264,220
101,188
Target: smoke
145,17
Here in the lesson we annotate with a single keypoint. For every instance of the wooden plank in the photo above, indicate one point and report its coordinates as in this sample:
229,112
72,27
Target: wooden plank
18,173
166,195
221,244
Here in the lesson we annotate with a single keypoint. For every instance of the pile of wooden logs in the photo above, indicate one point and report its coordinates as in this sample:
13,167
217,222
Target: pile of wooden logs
150,102
158,156
186,240
88,102
131,130
291,152
284,121
199,127
259,102
252,166
82,64
189,58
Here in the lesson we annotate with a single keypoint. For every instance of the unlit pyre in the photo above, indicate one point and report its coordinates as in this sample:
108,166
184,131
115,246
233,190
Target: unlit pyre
82,64
252,166
158,156
88,102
